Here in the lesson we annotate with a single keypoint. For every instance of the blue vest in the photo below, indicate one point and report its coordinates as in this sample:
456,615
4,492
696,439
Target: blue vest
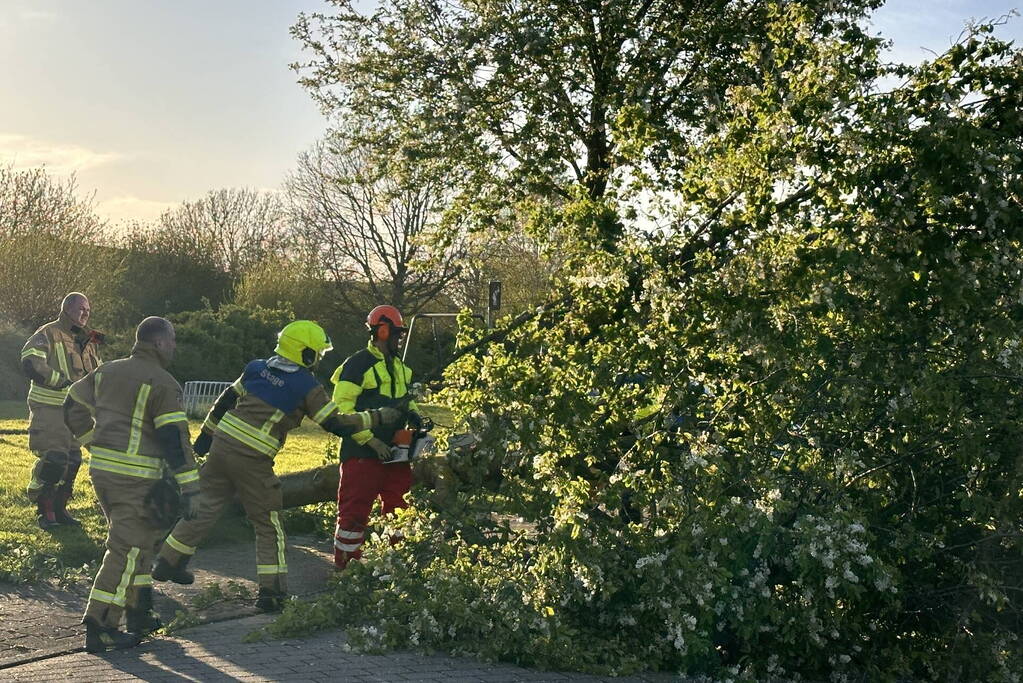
285,391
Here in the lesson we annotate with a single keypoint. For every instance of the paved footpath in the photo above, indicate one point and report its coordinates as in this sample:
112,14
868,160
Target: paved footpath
215,652
41,620
41,638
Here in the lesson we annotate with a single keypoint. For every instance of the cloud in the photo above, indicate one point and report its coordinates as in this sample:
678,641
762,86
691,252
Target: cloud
31,14
26,152
129,208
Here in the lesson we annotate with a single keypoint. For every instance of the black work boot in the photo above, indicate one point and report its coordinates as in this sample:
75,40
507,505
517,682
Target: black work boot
141,619
270,600
165,571
60,513
103,638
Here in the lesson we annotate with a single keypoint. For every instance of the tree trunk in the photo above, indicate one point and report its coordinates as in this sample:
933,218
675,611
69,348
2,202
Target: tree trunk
318,485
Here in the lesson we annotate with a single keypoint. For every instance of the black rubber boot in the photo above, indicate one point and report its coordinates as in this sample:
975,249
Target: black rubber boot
141,619
60,513
103,638
165,571
270,600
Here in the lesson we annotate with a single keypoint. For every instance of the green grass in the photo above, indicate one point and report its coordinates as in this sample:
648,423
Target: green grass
30,554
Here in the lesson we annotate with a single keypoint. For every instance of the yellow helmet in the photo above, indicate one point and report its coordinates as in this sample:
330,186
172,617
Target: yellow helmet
303,342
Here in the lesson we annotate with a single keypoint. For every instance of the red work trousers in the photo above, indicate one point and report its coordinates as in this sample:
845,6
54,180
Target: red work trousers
362,480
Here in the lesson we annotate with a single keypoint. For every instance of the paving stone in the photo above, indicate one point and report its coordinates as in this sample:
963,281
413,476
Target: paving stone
43,621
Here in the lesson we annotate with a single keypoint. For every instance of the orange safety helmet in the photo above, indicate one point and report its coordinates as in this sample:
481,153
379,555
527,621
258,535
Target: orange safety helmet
381,319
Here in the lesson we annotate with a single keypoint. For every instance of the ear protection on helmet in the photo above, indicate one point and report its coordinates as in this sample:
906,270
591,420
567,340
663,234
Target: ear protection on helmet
308,357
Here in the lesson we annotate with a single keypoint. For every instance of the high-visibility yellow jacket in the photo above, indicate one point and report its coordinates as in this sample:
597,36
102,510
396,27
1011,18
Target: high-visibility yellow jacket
129,415
367,380
57,354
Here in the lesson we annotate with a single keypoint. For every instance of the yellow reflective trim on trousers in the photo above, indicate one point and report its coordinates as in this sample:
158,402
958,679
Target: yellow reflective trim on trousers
62,359
136,419
187,477
54,376
179,546
143,580
86,439
271,569
103,596
126,577
276,521
168,418
39,353
324,412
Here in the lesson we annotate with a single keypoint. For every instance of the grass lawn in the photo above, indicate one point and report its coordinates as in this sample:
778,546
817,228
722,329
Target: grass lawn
30,554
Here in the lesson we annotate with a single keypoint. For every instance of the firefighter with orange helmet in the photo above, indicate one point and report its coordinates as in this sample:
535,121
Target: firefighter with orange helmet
244,430
371,378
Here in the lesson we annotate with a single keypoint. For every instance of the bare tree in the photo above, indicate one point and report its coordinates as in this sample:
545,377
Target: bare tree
237,227
524,268
375,237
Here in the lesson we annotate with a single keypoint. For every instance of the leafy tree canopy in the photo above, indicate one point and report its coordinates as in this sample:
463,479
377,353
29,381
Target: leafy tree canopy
777,436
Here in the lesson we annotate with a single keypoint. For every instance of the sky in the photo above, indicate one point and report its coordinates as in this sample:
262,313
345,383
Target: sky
154,102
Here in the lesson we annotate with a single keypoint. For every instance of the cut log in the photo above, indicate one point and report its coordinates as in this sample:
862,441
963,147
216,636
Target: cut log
318,485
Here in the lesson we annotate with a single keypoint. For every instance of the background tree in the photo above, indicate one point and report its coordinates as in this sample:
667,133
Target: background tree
179,275
524,266
368,230
235,228
47,238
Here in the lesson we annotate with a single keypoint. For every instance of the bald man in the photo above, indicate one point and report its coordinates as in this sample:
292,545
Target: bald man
129,414
59,353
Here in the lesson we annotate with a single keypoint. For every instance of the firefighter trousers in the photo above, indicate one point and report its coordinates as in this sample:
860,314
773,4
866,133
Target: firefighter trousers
51,497
362,481
259,490
130,546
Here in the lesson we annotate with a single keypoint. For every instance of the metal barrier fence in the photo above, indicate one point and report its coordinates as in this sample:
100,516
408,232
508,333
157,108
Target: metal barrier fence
199,397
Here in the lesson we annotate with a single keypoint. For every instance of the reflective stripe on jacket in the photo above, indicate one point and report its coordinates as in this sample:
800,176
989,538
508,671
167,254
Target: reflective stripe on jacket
116,409
273,397
367,380
57,354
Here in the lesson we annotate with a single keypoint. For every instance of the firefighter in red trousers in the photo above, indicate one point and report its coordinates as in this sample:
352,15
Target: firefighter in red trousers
372,378
244,431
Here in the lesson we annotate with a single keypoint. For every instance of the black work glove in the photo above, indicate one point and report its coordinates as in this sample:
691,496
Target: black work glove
202,443
415,420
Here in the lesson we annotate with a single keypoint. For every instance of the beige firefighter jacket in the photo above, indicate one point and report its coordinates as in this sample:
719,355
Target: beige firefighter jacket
115,412
58,354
